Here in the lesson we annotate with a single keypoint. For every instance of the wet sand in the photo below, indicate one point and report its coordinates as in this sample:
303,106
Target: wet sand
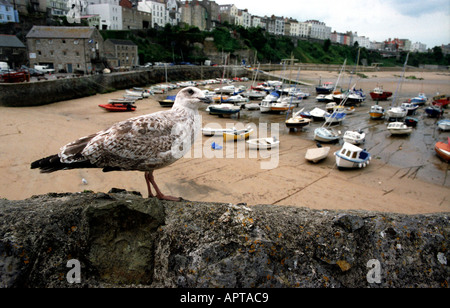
405,175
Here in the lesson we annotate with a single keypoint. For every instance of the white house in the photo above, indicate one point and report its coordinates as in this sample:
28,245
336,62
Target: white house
110,13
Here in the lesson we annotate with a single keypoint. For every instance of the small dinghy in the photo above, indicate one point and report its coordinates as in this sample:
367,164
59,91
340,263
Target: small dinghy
315,155
263,143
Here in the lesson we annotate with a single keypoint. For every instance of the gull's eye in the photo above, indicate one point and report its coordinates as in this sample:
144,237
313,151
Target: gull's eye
190,91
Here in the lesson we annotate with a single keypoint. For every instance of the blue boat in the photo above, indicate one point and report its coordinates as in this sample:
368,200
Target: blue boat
433,111
420,99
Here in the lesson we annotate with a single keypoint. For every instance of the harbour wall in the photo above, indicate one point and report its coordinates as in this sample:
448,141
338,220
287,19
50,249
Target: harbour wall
55,90
120,239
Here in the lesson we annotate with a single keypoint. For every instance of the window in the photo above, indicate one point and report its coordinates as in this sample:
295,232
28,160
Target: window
39,52
63,41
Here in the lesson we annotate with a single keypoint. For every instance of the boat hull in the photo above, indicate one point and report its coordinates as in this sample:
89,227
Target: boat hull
263,144
380,96
443,151
117,108
236,136
316,155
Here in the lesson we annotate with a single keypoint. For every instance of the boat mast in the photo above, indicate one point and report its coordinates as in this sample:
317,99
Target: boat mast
401,80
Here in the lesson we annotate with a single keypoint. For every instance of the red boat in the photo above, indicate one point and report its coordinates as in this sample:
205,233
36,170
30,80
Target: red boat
378,94
119,107
443,150
441,100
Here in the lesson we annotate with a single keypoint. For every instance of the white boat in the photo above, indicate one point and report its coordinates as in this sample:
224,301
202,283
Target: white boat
187,84
137,93
396,112
325,98
207,131
315,155
399,128
255,95
290,100
323,134
158,89
354,137
252,106
410,108
266,104
350,156
318,114
226,90
444,124
263,143
281,106
236,99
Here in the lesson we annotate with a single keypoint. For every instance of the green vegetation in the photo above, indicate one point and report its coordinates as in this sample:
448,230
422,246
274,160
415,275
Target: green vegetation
177,44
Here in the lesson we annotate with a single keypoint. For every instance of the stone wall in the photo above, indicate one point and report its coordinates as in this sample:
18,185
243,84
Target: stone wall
122,239
46,92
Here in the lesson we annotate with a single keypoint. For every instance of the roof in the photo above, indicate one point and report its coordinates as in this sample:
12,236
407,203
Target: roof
60,32
121,42
10,41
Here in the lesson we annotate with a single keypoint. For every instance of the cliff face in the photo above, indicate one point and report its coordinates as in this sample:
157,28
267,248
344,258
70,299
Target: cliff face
120,238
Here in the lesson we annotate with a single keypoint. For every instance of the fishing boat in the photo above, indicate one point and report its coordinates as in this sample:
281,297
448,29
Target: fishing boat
420,99
224,110
328,135
433,111
263,143
396,113
236,100
237,135
315,155
444,125
443,150
409,107
350,157
354,137
399,128
376,112
325,88
266,104
118,107
441,100
168,101
352,97
378,94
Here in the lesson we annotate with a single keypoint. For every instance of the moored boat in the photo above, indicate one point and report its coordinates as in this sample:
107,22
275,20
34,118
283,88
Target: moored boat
325,88
223,110
236,135
263,143
168,101
443,150
376,112
444,124
328,135
354,137
315,155
350,156
399,128
118,107
420,99
297,122
378,94
433,111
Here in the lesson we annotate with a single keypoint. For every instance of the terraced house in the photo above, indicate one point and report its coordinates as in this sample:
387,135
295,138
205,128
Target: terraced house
7,12
66,49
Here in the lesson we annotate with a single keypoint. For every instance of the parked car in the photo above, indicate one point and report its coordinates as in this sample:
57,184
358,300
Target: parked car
33,72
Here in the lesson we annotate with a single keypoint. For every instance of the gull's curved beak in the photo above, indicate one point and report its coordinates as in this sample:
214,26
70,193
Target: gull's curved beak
206,100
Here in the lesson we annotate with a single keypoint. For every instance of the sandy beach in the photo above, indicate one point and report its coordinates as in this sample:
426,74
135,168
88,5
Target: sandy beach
397,180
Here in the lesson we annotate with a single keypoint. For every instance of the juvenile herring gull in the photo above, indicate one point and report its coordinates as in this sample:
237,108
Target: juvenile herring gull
144,143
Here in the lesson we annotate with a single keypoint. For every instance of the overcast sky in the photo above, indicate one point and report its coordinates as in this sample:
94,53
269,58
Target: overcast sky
425,21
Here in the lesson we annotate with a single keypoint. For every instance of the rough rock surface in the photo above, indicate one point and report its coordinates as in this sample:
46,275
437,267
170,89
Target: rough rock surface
122,239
